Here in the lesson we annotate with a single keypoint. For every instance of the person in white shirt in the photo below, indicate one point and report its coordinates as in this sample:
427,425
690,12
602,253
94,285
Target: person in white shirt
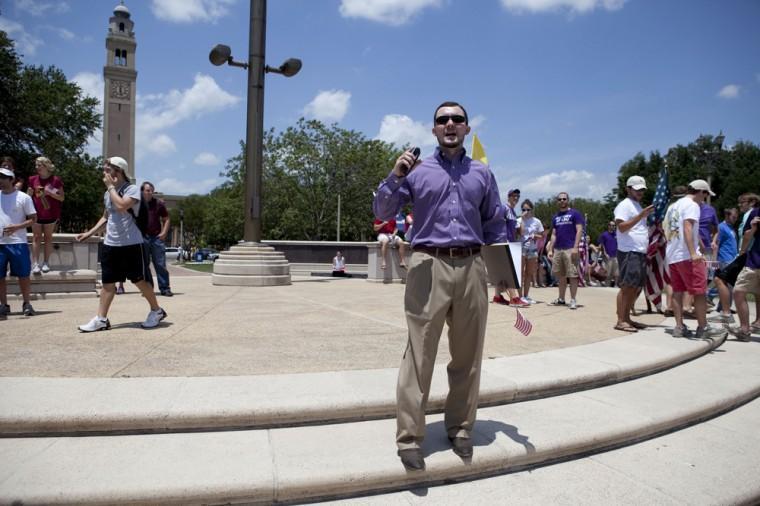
531,230
16,214
632,241
688,269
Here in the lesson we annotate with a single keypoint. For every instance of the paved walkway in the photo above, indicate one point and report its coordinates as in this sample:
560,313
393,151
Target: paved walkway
316,324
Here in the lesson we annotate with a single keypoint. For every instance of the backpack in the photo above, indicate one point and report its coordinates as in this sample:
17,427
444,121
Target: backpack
142,214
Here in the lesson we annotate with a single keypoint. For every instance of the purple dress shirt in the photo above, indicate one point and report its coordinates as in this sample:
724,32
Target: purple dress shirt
455,202
511,217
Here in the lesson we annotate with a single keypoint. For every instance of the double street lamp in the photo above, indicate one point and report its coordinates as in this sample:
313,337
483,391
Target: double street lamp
711,155
254,136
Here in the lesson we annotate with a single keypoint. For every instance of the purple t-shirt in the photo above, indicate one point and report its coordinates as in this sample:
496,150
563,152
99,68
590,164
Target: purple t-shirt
753,254
564,223
511,217
609,241
707,220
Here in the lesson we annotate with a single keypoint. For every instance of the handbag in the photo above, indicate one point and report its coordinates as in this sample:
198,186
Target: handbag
730,272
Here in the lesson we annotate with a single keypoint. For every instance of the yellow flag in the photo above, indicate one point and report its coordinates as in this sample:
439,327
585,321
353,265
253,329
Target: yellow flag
477,151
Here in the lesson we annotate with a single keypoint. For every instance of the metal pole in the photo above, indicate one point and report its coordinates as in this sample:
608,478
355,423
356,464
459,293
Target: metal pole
255,121
338,224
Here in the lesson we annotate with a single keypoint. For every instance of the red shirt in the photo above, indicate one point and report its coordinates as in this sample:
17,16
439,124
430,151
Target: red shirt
388,228
156,211
47,207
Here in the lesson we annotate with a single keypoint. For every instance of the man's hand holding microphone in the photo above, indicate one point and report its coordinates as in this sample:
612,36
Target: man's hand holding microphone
406,162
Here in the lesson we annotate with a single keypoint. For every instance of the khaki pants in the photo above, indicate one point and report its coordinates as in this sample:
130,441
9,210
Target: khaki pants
441,289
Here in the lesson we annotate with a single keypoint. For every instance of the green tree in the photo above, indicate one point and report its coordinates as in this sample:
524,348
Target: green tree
44,114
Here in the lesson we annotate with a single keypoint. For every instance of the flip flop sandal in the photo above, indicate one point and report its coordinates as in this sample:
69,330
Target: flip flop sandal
625,328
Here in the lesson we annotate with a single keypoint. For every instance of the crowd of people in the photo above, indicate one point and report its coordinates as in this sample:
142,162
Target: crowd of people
136,226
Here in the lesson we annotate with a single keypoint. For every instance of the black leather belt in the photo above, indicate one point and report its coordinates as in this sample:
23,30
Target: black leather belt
448,252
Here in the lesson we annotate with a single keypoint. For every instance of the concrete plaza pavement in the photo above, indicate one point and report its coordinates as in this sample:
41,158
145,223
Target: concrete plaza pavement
315,324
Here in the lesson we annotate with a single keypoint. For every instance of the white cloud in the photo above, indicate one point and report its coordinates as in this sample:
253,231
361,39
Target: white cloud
400,129
389,12
578,183
161,145
189,11
580,6
207,159
160,111
329,106
92,85
64,33
39,8
729,91
174,186
26,43
477,121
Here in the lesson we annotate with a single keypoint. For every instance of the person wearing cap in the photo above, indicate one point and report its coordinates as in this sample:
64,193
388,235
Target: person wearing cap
513,234
16,214
567,229
123,255
632,242
688,271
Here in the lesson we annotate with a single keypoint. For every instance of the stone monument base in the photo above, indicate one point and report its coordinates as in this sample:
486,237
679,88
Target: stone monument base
251,264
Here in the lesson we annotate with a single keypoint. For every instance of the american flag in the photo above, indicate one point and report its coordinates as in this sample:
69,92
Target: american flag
522,324
657,270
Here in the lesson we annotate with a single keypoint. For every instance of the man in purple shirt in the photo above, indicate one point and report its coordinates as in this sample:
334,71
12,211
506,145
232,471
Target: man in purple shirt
456,207
567,228
749,278
608,245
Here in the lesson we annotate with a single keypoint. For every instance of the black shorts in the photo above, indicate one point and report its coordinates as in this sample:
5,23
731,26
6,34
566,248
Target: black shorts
46,222
632,268
119,263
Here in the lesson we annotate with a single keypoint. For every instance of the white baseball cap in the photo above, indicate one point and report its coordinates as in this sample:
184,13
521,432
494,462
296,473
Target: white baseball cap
119,162
636,182
701,184
5,171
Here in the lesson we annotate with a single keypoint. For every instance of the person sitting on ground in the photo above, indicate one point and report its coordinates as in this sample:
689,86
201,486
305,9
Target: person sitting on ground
46,191
632,240
123,255
386,235
16,214
688,271
339,266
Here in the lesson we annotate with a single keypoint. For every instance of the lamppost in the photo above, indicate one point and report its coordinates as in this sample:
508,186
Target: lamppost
717,145
241,265
256,67
181,236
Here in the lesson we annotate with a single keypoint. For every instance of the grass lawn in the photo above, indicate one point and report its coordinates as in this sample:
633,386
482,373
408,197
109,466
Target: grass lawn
199,267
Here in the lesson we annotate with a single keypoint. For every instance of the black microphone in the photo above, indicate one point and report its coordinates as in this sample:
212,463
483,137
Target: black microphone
416,152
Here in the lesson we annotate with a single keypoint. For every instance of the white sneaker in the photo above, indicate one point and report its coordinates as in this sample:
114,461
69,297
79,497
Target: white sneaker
45,267
36,268
153,319
95,324
573,304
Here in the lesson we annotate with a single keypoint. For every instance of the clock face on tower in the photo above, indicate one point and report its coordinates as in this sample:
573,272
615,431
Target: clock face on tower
120,89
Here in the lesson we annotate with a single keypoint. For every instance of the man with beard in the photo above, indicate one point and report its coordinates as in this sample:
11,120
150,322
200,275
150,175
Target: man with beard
456,207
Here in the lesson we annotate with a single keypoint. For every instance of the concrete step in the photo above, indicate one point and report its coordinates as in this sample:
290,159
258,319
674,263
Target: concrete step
99,405
711,463
302,463
65,281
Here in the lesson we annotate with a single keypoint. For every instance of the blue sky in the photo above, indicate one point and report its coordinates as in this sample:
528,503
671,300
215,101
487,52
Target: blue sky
560,92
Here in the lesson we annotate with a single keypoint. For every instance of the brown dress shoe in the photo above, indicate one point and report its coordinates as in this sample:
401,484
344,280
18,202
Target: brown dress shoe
412,458
462,446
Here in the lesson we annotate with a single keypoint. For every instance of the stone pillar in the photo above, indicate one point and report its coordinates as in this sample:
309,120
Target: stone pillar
251,264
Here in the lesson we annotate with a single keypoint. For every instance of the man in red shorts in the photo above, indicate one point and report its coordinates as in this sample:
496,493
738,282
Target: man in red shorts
688,269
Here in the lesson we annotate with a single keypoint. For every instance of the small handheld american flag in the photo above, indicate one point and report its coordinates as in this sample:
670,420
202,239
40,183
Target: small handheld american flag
522,324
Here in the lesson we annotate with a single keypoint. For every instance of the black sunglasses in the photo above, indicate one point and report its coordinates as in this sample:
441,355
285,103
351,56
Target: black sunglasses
562,199
456,118
527,209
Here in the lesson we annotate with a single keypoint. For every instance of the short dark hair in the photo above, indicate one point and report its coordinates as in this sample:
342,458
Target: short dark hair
449,103
147,183
528,202
729,211
10,161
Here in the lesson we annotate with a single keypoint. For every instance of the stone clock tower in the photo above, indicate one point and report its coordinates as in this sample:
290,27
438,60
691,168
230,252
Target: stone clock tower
120,79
